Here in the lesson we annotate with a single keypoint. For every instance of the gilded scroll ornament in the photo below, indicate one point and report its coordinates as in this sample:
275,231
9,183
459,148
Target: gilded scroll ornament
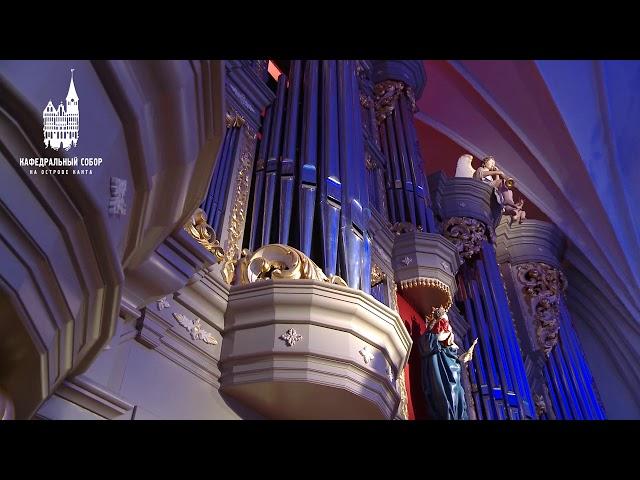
377,275
386,95
467,234
239,208
277,261
234,120
199,229
542,286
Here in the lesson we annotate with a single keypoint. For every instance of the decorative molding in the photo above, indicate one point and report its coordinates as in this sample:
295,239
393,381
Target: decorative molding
430,283
239,209
195,329
467,234
279,261
367,354
163,303
199,229
541,286
377,275
290,337
117,203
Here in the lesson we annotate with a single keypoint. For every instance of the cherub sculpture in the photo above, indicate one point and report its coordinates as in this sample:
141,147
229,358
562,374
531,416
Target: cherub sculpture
441,369
514,210
489,173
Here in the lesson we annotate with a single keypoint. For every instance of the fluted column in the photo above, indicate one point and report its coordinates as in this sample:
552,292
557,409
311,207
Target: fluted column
529,256
397,85
469,211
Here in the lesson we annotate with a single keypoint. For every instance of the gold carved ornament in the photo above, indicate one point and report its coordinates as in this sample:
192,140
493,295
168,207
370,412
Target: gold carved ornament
199,229
542,286
377,275
467,234
239,208
386,95
277,261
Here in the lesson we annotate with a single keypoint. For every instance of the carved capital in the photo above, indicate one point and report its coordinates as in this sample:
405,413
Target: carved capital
467,234
199,229
542,286
279,261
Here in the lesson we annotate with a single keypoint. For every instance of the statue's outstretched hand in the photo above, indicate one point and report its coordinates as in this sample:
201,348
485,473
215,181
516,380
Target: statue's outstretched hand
468,355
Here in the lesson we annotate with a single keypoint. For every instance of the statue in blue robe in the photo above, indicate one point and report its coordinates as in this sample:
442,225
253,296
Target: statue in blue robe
442,369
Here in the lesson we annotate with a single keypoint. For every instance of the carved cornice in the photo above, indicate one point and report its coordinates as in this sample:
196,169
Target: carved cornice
542,286
467,234
277,261
202,232
533,241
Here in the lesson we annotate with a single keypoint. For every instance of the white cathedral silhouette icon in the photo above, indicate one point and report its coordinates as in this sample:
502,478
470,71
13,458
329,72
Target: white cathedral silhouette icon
61,126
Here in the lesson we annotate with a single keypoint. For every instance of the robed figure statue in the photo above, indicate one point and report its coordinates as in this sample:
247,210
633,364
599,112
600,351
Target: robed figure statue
441,369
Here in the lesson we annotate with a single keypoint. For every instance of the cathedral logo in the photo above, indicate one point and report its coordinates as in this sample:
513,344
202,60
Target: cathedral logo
61,125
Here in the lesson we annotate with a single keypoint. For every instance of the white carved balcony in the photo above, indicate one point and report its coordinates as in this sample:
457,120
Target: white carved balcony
308,349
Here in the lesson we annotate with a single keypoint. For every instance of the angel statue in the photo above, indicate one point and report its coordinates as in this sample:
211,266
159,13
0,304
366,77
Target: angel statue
441,369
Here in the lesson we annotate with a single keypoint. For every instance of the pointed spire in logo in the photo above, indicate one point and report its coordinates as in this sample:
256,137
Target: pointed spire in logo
72,89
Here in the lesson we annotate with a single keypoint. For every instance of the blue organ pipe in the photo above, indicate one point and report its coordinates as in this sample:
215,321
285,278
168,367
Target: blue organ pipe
560,391
566,344
516,364
225,183
424,213
207,206
351,233
479,360
288,164
485,338
573,367
497,336
260,173
570,341
552,394
275,143
222,173
308,162
576,394
359,161
396,177
405,168
487,348
388,180
330,185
